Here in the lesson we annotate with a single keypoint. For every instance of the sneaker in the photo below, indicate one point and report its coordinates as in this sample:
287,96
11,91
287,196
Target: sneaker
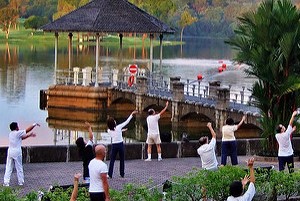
148,159
21,184
159,159
5,184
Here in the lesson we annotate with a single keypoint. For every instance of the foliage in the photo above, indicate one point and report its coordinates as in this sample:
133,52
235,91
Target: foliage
60,194
7,18
34,22
8,194
286,185
186,19
267,41
195,185
133,192
211,13
212,184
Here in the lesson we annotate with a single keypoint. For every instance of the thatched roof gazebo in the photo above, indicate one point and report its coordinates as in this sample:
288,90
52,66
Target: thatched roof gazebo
108,16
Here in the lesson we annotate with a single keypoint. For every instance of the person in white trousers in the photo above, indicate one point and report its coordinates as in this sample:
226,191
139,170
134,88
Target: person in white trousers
14,152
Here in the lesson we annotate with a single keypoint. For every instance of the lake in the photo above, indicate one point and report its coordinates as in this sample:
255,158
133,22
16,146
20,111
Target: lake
25,70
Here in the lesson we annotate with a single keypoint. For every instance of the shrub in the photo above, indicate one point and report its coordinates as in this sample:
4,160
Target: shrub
132,192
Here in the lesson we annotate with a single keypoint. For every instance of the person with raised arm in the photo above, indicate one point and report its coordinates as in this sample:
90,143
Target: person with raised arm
86,152
236,188
229,145
14,152
285,151
206,150
75,187
153,136
115,132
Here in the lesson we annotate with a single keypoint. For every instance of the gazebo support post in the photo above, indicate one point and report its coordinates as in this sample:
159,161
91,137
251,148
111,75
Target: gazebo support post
70,55
55,56
97,59
161,52
121,50
151,52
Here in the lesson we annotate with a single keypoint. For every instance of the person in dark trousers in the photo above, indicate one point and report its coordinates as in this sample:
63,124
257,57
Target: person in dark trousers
86,152
229,146
236,188
14,151
115,132
285,151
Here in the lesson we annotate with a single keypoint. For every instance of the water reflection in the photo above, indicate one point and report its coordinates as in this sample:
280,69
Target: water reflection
25,69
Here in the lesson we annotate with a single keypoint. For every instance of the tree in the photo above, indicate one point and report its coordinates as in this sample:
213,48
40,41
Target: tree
267,40
186,19
7,18
34,22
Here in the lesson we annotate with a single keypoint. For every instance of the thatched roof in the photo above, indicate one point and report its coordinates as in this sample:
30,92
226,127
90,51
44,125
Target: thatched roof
110,16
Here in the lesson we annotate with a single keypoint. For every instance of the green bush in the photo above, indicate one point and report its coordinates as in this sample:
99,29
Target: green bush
132,192
214,185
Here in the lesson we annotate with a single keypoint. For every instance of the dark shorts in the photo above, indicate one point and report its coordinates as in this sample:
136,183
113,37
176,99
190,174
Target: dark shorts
97,196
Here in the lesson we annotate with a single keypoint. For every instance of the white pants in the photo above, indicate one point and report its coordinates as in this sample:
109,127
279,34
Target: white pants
10,161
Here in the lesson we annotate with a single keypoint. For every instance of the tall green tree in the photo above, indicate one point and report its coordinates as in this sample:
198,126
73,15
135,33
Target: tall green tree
35,22
8,17
267,40
186,19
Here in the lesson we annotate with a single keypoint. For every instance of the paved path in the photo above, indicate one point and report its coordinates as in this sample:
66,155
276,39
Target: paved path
42,175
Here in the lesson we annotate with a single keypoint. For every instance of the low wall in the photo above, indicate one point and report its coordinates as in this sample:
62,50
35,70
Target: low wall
40,154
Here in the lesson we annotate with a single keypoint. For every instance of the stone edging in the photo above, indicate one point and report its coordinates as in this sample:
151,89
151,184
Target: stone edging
272,158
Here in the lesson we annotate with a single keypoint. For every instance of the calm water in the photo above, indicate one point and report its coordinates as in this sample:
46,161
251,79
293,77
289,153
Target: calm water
25,70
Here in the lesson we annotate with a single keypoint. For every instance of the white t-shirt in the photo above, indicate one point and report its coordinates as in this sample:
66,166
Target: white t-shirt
284,142
96,167
152,123
208,155
15,143
248,195
228,132
116,135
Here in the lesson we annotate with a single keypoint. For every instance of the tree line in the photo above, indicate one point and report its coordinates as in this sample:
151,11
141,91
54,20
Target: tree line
214,18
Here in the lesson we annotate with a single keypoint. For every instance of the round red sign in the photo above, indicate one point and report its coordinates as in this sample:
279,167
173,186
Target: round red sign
133,68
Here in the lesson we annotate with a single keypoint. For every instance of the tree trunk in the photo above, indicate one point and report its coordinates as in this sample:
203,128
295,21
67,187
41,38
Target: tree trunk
181,35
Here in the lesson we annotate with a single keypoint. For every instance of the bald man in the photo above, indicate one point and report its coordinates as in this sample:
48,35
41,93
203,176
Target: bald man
99,188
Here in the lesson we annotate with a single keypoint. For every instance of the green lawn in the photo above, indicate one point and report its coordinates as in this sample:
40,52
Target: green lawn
24,36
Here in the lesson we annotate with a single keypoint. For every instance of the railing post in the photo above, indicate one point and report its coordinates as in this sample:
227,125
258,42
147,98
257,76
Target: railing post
177,96
115,73
223,100
87,76
142,90
173,80
76,72
213,87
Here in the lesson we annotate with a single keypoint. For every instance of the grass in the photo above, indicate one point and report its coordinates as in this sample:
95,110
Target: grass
27,36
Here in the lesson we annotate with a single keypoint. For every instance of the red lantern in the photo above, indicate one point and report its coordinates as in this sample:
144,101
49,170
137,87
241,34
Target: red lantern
199,77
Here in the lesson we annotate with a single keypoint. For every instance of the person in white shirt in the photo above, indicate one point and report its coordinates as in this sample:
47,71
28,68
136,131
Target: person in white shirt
98,188
236,188
115,132
206,151
285,151
229,146
153,136
14,152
